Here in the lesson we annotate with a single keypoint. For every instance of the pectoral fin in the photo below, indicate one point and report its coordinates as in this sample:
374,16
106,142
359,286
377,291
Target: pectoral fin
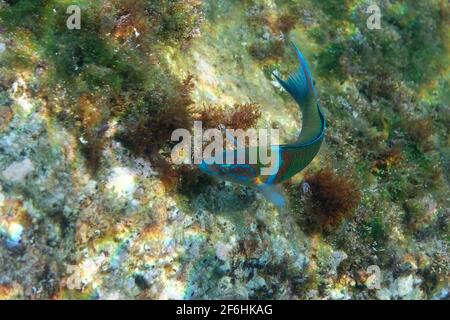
273,193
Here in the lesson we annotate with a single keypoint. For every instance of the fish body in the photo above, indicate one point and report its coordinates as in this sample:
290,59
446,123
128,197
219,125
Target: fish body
290,158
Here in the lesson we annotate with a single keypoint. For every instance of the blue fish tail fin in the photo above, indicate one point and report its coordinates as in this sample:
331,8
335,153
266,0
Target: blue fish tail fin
299,84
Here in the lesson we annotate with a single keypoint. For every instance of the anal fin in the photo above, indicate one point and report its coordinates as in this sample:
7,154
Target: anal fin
273,193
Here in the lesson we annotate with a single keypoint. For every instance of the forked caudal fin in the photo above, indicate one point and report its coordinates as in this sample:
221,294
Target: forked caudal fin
299,84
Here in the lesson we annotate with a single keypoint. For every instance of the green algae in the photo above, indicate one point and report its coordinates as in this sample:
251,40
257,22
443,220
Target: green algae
89,63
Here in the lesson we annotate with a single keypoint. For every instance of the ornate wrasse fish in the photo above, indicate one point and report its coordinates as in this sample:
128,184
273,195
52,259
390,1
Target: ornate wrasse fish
290,158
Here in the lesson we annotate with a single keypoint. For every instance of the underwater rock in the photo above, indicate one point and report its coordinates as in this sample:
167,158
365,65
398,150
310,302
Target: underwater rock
406,288
6,115
11,291
336,258
14,233
121,181
222,251
18,170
